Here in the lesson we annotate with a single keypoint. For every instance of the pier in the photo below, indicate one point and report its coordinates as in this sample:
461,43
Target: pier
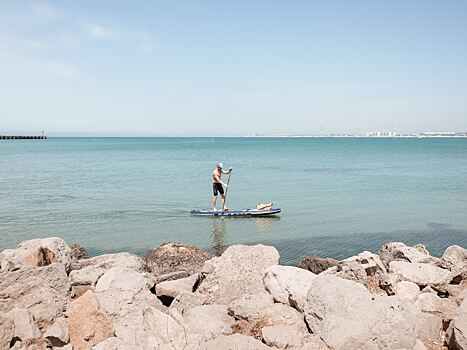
22,137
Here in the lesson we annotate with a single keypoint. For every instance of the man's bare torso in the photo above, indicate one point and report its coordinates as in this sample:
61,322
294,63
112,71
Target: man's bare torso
216,176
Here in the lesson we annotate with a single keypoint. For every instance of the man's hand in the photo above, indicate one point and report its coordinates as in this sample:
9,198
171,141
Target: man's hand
230,169
225,185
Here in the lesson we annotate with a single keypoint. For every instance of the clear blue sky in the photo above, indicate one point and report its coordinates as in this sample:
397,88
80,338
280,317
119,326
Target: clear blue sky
232,67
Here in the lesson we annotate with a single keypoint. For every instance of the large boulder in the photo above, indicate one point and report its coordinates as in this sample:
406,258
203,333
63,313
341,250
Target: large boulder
399,251
249,307
421,273
237,272
25,326
457,331
173,257
58,334
185,301
315,264
346,316
86,272
208,321
36,253
43,291
123,278
288,285
88,323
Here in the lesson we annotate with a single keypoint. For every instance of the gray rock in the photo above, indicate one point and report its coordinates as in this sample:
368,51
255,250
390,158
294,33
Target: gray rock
173,288
288,285
78,252
235,342
399,251
282,337
43,291
237,272
457,331
421,273
36,253
315,264
7,331
57,334
123,278
249,307
86,272
363,321
175,257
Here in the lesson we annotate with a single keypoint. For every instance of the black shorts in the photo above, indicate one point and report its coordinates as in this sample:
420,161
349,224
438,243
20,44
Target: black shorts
217,188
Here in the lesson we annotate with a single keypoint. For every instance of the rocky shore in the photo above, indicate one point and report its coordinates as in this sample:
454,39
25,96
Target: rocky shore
52,296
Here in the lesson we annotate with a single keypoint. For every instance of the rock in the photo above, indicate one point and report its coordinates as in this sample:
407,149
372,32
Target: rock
455,259
173,288
407,290
280,314
288,285
419,345
444,308
363,321
7,331
399,251
249,307
235,342
389,281
86,272
58,334
172,257
43,291
78,252
25,326
365,268
237,272
208,321
184,301
421,273
88,323
315,264
313,342
282,337
457,331
36,253
123,278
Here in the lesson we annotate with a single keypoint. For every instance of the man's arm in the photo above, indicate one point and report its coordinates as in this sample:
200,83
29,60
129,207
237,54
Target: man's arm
227,171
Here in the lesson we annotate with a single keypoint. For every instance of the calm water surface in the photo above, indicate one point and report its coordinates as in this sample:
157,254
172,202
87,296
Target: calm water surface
339,196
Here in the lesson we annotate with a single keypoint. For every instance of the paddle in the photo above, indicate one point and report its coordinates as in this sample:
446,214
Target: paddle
225,197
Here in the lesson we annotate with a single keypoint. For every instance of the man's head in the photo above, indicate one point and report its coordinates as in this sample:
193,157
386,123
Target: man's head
220,166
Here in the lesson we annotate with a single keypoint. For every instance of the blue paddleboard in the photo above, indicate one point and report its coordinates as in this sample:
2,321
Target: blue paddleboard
242,212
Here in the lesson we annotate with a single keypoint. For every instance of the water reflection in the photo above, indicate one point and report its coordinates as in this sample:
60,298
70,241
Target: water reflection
219,230
219,235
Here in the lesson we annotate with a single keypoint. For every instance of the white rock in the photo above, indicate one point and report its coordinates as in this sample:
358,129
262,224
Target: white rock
421,273
208,321
235,342
407,290
457,331
25,326
419,345
282,337
237,272
58,333
173,288
7,331
123,278
347,316
184,301
35,253
249,307
399,251
456,255
88,271
288,285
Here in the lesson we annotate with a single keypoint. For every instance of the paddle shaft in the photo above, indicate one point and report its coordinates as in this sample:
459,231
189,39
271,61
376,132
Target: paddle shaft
225,196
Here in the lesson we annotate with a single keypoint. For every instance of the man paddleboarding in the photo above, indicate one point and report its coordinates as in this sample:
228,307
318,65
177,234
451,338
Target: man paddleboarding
217,185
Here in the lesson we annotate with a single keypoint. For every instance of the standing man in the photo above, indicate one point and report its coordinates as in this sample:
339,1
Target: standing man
217,185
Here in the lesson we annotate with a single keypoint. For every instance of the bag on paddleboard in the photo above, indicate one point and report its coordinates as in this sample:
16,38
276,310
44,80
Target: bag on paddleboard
267,206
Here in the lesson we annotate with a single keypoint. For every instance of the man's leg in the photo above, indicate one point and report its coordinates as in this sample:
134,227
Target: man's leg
214,201
223,201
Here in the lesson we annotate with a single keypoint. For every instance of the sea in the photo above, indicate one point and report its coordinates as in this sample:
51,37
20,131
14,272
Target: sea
339,196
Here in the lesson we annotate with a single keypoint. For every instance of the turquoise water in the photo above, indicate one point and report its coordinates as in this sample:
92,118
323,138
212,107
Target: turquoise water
339,195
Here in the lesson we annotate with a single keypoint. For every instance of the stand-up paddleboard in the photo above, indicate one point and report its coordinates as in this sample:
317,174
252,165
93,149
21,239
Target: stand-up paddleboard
231,212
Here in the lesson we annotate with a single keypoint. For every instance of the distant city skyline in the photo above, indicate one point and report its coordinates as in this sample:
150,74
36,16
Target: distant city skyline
213,68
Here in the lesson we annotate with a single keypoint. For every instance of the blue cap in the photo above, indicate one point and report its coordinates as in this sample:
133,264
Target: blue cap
220,165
